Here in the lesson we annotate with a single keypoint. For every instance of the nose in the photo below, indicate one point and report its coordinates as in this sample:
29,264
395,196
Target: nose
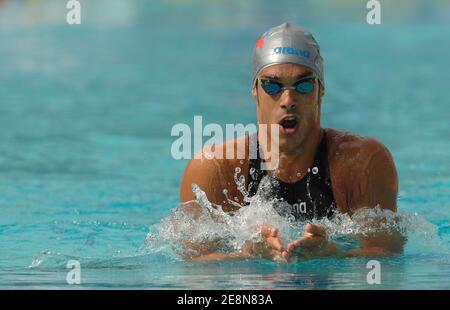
287,99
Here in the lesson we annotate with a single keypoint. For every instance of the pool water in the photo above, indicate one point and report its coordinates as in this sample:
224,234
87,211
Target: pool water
86,171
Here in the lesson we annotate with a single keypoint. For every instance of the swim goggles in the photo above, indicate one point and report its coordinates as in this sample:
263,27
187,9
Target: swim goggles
303,86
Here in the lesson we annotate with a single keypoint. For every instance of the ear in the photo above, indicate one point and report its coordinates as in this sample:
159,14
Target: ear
321,90
254,94
320,93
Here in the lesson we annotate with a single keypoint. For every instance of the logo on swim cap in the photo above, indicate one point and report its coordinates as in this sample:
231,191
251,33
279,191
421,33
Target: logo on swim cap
259,43
291,50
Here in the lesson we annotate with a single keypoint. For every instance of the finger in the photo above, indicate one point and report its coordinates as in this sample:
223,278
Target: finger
269,253
305,242
287,256
296,243
317,230
275,243
276,256
268,231
193,246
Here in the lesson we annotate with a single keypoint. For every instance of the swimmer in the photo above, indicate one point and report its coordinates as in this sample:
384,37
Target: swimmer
323,170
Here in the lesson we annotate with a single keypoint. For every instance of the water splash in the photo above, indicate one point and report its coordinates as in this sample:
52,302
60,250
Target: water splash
37,261
228,232
202,222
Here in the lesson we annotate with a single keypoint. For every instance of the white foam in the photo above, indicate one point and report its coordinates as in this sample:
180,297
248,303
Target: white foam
233,229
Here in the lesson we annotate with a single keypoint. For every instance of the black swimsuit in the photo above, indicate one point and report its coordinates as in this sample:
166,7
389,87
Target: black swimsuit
310,197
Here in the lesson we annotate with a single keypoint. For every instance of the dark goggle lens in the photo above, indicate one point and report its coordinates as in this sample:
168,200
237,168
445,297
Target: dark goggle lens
271,88
305,87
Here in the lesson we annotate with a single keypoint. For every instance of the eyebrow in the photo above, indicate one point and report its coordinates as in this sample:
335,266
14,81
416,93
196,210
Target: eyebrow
298,77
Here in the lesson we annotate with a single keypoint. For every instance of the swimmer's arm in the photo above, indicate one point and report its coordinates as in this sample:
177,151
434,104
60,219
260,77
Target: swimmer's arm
377,186
207,250
206,173
217,256
270,247
212,176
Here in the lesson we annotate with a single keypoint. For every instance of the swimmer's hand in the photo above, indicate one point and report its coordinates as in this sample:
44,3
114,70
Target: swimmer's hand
313,244
269,247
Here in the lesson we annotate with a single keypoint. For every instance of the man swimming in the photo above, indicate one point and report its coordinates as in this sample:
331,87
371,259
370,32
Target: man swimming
320,171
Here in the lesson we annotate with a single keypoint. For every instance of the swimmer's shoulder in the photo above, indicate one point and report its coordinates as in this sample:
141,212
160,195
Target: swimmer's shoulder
355,161
213,171
349,149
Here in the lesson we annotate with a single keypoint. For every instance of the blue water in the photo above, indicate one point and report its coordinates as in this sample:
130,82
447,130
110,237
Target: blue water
86,112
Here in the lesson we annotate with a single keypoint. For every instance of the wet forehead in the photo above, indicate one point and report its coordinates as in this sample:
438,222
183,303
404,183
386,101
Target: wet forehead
285,72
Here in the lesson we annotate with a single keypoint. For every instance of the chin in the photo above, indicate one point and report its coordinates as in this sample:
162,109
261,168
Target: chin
290,143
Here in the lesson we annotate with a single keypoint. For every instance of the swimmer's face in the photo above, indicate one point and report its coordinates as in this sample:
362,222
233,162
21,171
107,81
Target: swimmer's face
304,108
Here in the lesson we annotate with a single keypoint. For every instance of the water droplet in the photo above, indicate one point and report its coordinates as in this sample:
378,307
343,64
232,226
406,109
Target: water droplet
299,174
309,170
252,170
241,162
315,170
242,179
237,170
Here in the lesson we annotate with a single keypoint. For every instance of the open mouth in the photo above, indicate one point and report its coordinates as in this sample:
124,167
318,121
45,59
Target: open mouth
288,125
